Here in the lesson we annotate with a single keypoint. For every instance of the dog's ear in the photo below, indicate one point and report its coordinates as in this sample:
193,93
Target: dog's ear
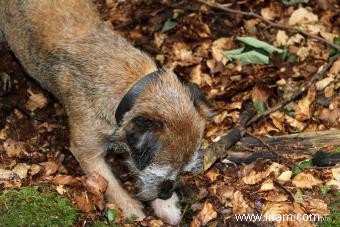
142,140
202,104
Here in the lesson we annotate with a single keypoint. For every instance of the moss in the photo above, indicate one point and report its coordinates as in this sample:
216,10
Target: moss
29,207
333,219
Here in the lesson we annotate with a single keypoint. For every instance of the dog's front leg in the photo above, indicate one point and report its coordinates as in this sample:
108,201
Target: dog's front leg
89,151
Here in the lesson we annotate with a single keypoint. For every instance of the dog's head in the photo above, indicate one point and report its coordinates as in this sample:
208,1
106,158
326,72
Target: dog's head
164,131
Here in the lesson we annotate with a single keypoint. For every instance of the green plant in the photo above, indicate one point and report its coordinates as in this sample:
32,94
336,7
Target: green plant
29,207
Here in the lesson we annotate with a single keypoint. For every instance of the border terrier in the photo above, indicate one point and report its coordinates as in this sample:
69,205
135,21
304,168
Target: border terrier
112,92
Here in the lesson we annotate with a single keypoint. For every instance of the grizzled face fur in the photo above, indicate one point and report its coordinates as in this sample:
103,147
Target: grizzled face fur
164,133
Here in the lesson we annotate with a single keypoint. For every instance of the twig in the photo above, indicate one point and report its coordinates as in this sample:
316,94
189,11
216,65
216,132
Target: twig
275,25
219,149
297,93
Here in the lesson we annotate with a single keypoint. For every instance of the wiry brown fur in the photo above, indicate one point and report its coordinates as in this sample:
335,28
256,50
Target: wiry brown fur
65,46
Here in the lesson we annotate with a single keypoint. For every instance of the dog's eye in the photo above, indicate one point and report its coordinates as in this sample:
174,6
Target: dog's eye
142,141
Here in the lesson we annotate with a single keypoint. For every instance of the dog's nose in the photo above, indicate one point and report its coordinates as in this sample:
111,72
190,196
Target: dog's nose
166,189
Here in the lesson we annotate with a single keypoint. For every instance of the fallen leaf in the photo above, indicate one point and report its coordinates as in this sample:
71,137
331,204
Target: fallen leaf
9,179
60,189
330,117
240,206
84,203
14,149
322,84
302,16
305,180
35,101
205,215
316,206
50,167
67,180
281,38
285,176
294,123
267,185
218,46
21,169
96,184
335,70
35,169
212,174
303,111
255,177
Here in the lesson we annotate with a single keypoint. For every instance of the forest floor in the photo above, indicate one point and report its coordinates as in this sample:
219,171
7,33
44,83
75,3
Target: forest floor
189,37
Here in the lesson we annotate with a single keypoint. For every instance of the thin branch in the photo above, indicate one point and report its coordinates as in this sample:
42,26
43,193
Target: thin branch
219,149
297,93
272,24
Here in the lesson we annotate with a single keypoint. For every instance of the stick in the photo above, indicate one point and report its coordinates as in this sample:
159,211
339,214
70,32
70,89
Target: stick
220,149
275,25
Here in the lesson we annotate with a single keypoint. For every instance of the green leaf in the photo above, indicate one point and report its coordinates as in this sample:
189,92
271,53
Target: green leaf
250,41
233,52
250,57
296,170
334,51
111,214
293,2
298,197
305,164
308,163
325,189
260,106
168,25
337,150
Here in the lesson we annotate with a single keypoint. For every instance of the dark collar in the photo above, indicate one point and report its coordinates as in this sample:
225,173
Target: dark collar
130,97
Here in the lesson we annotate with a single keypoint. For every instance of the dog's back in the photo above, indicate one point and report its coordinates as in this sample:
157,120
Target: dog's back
53,37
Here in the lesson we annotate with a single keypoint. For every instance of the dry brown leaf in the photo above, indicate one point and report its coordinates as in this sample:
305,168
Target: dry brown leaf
316,206
84,203
303,111
302,16
305,180
294,123
285,214
96,184
9,179
285,176
35,169
278,119
21,169
67,180
281,38
322,84
184,56
274,196
35,101
60,189
267,185
212,174
196,75
255,177
220,45
50,167
224,193
14,149
205,215
335,70
240,206
329,117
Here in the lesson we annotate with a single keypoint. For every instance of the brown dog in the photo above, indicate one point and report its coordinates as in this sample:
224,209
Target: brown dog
112,93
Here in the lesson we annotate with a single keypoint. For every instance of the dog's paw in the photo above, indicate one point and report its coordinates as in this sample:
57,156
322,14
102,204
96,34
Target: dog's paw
167,210
133,210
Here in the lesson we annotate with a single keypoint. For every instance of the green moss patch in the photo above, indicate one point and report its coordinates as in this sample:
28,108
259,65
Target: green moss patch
29,207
